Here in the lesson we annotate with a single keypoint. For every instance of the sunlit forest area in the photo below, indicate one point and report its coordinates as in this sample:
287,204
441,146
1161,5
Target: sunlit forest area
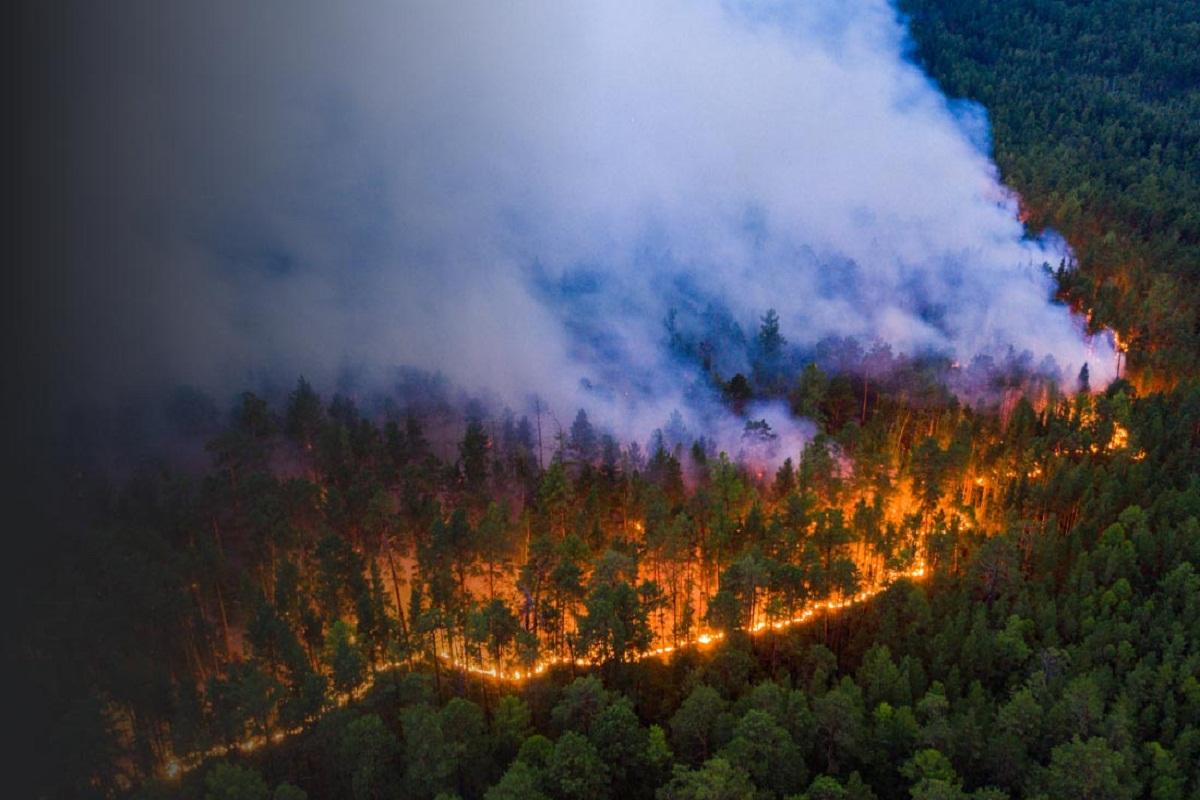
969,582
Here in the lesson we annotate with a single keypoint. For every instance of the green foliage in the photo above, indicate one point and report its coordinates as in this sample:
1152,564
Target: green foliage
765,751
1090,768
1094,116
716,780
575,770
512,723
582,703
520,782
697,728
348,665
227,781
368,751
624,747
932,776
429,768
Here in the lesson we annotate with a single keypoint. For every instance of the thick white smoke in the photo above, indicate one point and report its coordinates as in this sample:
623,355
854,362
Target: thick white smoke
515,194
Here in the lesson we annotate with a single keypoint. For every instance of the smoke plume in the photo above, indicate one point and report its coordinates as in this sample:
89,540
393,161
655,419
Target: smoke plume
517,195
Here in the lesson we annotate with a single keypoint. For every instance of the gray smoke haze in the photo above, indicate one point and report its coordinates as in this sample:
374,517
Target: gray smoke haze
516,195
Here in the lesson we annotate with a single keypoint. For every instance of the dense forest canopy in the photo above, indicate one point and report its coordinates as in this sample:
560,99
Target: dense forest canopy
1095,114
335,571
961,581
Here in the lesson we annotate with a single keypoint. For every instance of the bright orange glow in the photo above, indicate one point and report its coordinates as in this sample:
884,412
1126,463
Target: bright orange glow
1120,437
174,767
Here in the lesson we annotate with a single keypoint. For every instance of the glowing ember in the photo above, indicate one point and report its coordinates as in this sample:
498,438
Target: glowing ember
1120,437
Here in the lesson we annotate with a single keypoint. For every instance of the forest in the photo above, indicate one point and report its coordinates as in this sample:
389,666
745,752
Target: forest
969,581
544,611
1095,119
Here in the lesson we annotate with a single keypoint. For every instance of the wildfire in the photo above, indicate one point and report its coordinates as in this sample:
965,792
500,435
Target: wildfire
703,639
175,767
1120,437
1120,441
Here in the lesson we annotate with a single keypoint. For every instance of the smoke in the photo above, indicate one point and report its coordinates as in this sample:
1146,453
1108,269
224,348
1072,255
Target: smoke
517,195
